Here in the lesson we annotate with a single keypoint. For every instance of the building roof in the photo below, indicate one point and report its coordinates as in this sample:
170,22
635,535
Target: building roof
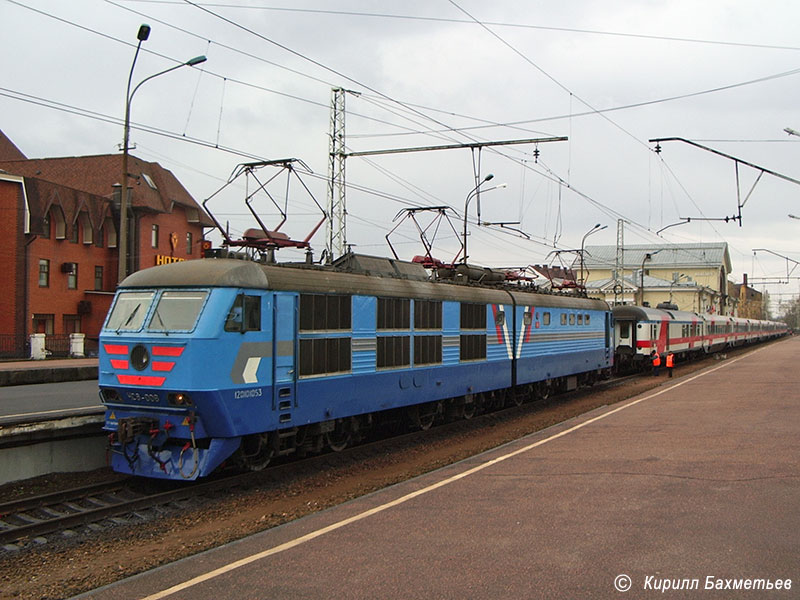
155,188
714,255
8,151
632,283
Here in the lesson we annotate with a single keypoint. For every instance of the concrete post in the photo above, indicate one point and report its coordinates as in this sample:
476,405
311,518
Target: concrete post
76,341
37,346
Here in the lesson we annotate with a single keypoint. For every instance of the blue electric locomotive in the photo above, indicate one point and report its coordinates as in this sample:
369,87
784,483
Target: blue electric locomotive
216,360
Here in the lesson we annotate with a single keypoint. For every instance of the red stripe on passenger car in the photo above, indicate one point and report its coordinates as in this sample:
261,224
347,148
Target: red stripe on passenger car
167,350
115,348
162,365
119,363
141,380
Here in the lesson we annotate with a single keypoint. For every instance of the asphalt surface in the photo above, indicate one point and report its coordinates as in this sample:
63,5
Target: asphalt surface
693,485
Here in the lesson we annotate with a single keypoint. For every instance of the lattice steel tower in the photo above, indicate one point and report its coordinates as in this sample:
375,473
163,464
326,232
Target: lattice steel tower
336,244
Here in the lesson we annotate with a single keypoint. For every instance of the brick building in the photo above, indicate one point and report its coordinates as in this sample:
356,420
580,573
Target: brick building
59,255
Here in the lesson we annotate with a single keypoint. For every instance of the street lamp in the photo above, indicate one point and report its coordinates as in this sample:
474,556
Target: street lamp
594,229
471,194
144,33
647,256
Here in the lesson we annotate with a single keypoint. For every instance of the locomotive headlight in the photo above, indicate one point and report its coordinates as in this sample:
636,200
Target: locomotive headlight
179,399
109,395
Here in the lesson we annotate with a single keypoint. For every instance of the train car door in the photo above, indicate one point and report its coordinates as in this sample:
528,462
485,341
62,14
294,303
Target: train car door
284,351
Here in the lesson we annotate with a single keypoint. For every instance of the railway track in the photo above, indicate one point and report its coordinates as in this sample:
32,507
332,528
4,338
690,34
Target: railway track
24,520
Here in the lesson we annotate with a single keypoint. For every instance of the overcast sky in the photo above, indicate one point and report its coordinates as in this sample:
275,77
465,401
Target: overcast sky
608,75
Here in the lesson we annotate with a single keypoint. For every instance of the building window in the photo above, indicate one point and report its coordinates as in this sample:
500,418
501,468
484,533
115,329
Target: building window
72,324
189,243
111,232
43,324
154,237
98,278
60,223
88,232
74,233
72,277
46,227
44,272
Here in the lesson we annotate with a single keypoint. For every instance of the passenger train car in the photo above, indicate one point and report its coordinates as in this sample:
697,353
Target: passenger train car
215,360
642,330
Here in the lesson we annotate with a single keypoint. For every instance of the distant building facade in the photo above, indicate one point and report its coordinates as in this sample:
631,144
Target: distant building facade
59,227
694,277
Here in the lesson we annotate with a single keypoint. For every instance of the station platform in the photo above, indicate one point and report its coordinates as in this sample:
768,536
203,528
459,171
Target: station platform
26,372
691,485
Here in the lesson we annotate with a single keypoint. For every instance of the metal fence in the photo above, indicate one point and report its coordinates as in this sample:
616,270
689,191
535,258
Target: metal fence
14,346
57,344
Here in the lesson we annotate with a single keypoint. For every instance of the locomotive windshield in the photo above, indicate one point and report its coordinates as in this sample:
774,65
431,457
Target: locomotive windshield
129,311
177,311
174,311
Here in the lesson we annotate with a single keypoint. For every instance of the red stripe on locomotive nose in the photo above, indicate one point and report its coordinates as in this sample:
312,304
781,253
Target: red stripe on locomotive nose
116,348
167,350
119,364
162,365
141,380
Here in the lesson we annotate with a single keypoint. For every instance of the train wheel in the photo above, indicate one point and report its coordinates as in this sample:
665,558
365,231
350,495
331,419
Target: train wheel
338,439
515,396
258,450
542,390
423,416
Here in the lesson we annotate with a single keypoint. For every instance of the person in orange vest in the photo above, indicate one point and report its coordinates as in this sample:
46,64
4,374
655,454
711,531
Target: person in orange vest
655,357
670,362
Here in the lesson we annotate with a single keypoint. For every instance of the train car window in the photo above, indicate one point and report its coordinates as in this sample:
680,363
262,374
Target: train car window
245,314
394,313
563,318
546,319
320,312
322,356
473,347
427,314
624,330
427,349
129,311
586,319
580,319
572,319
177,311
393,351
527,318
473,316
500,318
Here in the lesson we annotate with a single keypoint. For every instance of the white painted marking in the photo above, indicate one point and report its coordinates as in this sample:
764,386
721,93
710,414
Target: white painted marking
379,509
55,410
249,373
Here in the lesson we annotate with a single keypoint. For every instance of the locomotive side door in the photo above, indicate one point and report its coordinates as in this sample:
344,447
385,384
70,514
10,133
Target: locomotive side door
284,351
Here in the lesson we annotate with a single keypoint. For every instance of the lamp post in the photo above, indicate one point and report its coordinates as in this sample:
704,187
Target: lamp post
594,229
144,33
647,256
471,194
674,281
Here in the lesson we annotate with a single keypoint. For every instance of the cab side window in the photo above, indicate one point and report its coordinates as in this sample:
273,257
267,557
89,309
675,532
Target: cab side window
245,314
